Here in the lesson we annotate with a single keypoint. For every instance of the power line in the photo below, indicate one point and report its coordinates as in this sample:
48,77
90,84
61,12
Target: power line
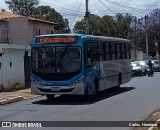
116,3
47,3
134,4
65,4
71,14
77,13
102,12
107,7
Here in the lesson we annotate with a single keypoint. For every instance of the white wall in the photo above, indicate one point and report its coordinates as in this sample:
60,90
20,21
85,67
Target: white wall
13,76
139,55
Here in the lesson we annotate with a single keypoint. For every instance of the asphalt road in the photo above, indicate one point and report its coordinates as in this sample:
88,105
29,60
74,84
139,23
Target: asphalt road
133,102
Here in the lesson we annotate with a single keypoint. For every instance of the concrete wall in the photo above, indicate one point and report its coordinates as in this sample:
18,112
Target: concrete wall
139,55
22,30
13,68
18,30
37,28
3,31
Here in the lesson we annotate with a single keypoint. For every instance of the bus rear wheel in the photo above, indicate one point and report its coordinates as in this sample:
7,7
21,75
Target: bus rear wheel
118,83
50,97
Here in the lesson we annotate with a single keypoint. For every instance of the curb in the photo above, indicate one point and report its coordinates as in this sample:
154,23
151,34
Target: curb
151,128
11,100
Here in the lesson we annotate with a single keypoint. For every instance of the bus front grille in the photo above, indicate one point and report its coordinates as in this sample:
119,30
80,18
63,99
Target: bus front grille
61,90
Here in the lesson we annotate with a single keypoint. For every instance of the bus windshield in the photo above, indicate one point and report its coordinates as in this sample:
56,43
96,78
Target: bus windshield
56,63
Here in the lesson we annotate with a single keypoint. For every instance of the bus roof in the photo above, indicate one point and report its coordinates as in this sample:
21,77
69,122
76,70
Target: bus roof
87,37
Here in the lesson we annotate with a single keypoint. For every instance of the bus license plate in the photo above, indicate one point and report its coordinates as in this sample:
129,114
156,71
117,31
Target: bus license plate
55,89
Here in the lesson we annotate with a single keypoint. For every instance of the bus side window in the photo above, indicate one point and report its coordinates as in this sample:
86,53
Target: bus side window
95,52
101,51
107,51
88,55
118,51
128,51
123,50
104,51
113,56
115,50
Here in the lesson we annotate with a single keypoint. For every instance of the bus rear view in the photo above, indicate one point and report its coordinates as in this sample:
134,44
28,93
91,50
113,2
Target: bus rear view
56,66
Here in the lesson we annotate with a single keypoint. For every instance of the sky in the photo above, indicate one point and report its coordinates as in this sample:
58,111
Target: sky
74,10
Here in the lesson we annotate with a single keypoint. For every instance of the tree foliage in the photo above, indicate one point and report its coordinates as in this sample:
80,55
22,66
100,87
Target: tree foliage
150,23
126,26
118,26
22,7
31,8
49,14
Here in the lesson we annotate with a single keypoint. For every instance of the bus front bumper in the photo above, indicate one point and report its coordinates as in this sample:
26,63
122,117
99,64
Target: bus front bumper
57,90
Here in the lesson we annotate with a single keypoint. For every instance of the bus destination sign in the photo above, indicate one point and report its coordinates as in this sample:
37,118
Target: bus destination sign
52,40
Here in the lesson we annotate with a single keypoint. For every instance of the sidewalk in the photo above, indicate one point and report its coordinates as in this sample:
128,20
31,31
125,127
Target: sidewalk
154,116
15,96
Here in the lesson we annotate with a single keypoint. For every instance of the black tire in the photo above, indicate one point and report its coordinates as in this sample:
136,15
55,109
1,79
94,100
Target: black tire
50,97
140,73
118,83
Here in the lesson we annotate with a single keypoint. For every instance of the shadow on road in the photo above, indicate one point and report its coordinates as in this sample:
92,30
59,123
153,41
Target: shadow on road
83,100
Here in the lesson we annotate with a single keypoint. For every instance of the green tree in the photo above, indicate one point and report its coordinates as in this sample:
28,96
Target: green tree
22,7
80,26
107,26
123,24
31,8
94,25
49,14
118,26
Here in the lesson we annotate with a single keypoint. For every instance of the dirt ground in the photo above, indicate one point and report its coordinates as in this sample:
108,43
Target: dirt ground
25,93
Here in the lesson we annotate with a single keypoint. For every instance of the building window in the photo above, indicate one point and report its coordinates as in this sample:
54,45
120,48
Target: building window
35,31
39,32
47,31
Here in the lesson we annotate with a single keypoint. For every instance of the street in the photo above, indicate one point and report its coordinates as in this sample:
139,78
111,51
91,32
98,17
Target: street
133,102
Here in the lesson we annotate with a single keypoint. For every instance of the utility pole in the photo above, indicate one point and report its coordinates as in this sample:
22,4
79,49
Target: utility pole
87,18
135,41
146,18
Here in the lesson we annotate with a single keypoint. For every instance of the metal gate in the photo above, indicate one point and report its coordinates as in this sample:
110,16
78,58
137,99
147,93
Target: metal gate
27,71
1,73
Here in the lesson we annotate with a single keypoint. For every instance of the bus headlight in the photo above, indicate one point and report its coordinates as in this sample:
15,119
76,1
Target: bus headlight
33,81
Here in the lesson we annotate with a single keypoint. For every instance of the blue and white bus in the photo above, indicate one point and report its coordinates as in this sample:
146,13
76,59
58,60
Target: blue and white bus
77,64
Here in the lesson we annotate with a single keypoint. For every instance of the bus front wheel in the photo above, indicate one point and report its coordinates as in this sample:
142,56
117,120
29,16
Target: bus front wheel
50,97
95,88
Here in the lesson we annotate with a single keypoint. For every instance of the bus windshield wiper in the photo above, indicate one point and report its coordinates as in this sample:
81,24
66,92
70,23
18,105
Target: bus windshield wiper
64,53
